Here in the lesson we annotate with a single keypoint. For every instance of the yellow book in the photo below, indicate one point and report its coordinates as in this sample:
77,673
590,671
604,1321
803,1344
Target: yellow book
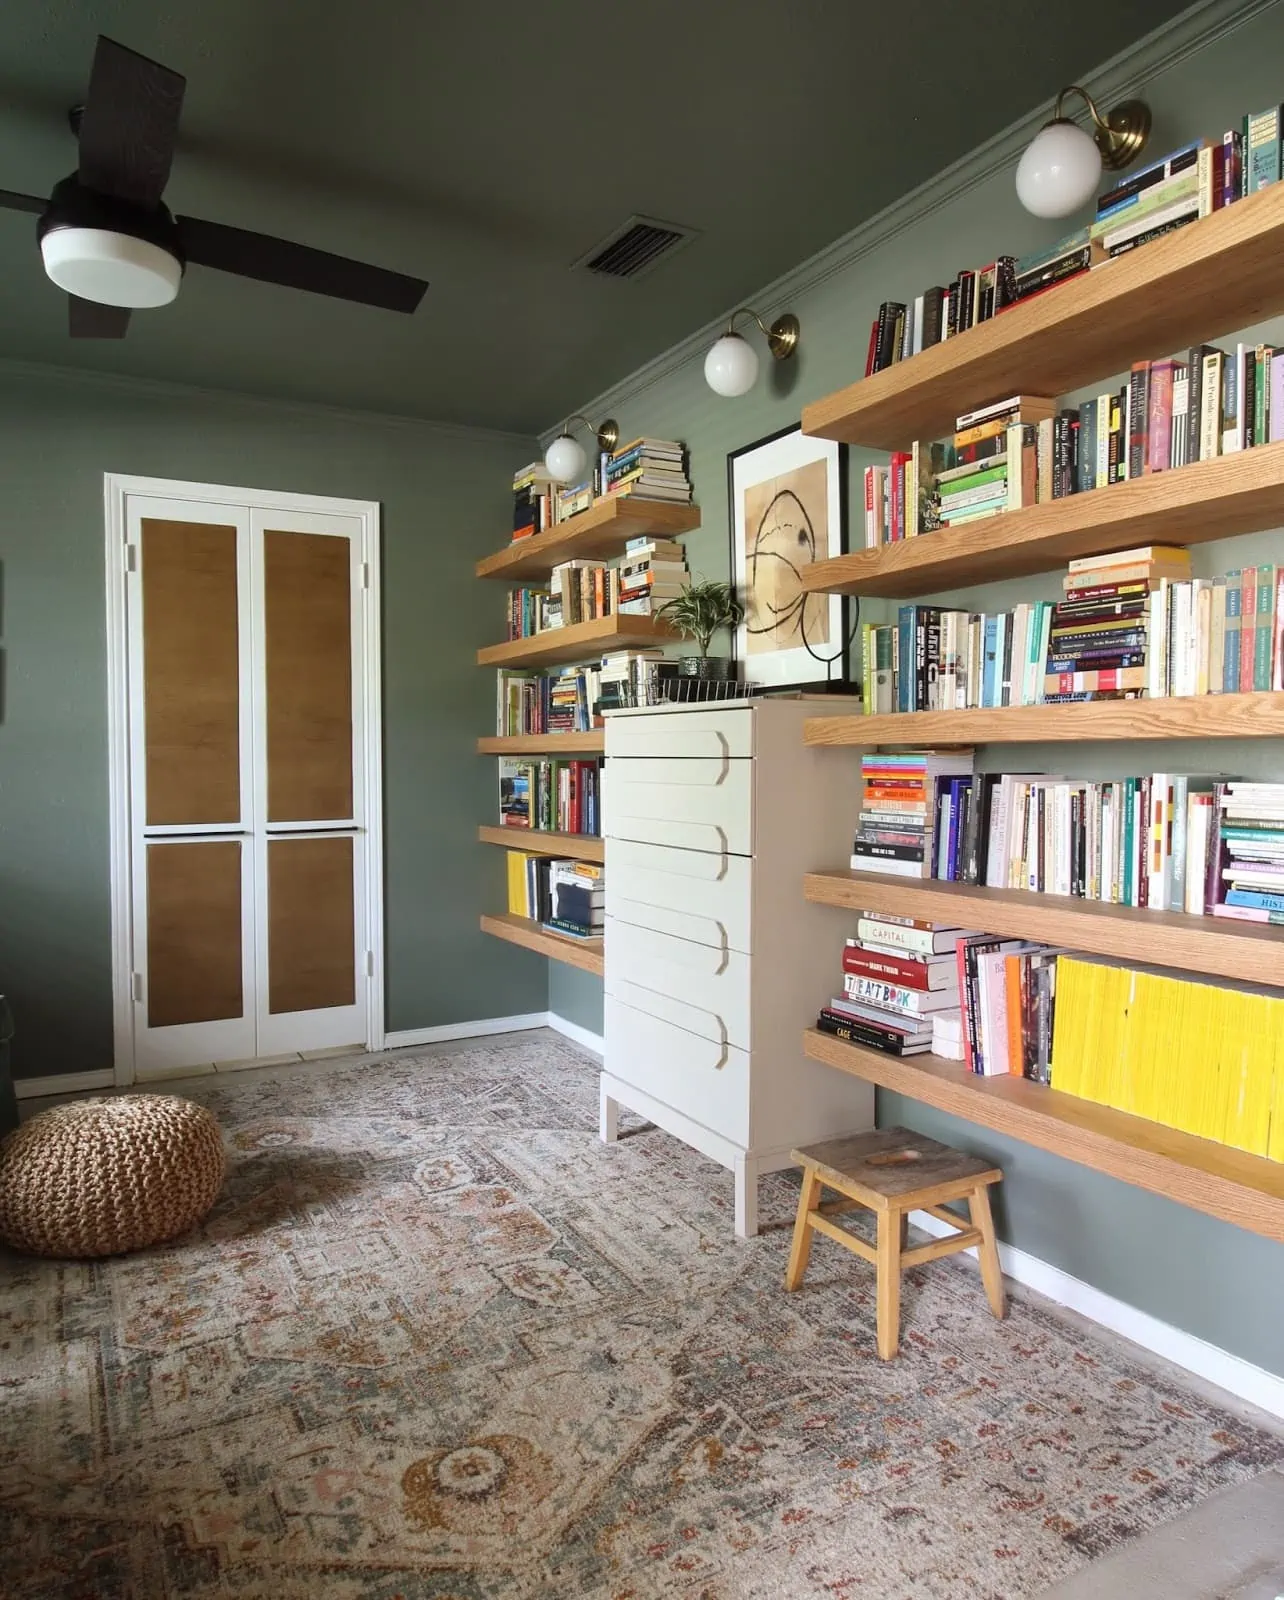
1275,1146
1132,1056
518,905
1211,1124
1257,1126
1165,1077
1107,1082
1235,1067
1090,1032
1156,1068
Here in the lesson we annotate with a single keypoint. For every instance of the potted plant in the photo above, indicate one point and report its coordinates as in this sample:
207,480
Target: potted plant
700,611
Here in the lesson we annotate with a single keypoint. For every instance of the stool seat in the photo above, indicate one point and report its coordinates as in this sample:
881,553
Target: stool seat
892,1172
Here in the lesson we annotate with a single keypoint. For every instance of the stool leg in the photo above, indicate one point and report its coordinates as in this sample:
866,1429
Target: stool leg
889,1283
978,1205
808,1200
904,1231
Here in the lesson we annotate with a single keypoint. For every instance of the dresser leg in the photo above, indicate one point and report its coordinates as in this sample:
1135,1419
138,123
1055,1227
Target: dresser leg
608,1117
746,1197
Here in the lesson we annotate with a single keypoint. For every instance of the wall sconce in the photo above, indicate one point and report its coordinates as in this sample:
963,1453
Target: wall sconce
565,460
731,367
1062,163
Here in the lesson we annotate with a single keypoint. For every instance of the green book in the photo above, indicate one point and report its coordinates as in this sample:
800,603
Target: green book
1264,629
1261,149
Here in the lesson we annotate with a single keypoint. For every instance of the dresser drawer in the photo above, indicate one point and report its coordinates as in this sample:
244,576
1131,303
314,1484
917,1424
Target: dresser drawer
695,894
700,803
705,1080
649,968
682,733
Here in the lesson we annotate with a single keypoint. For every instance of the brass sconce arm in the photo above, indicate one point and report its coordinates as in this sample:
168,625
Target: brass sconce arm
1121,136
781,336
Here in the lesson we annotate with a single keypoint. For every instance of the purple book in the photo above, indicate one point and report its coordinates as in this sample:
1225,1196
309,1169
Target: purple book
1277,398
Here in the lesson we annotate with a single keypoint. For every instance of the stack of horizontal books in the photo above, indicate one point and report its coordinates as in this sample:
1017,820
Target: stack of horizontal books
895,833
649,469
900,984
652,572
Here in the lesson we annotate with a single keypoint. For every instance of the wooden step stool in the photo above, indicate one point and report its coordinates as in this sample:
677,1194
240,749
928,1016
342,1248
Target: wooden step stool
893,1172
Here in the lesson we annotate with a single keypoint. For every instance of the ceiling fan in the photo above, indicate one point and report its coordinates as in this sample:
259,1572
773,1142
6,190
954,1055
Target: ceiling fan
108,239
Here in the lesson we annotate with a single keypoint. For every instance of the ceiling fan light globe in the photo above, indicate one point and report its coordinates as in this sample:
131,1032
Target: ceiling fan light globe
565,460
113,269
731,366
1059,171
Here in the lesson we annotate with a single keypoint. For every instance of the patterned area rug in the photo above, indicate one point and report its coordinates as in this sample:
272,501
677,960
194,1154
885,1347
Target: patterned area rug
438,1343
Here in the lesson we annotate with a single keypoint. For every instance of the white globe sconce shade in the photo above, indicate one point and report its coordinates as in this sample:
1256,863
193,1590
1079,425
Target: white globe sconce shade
1059,171
112,269
731,366
1062,164
565,460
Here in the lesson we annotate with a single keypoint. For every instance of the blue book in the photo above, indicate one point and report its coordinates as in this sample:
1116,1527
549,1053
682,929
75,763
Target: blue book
905,622
1230,642
989,673
1258,898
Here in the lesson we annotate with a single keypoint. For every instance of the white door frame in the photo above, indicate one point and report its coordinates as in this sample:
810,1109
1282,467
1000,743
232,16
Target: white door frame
117,487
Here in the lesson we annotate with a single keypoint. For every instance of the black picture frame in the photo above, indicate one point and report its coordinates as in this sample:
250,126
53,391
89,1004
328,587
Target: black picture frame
836,665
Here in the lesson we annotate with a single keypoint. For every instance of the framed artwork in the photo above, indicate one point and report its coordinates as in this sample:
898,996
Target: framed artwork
787,499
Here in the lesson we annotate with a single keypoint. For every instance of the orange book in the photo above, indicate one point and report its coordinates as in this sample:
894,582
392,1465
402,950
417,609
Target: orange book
1012,995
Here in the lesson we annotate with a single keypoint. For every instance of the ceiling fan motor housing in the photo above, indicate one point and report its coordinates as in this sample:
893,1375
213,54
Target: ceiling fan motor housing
104,249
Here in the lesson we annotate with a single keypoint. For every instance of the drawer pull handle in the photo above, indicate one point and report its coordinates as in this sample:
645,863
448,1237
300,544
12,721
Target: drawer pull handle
691,1019
675,936
662,830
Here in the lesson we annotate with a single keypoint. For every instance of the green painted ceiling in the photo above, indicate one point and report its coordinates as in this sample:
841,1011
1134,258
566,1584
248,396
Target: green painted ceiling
487,146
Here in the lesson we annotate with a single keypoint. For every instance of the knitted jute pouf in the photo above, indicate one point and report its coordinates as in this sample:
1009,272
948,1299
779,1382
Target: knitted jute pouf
97,1177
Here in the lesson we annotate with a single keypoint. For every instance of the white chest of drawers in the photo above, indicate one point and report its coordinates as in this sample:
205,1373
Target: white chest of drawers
714,962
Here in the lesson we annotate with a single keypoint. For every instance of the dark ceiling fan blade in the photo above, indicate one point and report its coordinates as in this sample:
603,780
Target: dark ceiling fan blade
87,319
296,266
129,124
21,202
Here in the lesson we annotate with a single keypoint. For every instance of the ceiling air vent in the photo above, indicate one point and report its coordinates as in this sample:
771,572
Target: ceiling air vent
635,247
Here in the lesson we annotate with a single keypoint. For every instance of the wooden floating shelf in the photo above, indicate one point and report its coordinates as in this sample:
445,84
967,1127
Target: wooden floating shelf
579,642
1232,1185
1241,493
1217,947
543,744
539,842
1205,716
602,530
585,954
1205,280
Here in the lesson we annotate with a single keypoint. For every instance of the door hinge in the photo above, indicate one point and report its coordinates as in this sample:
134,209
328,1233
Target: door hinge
131,558
136,985
369,963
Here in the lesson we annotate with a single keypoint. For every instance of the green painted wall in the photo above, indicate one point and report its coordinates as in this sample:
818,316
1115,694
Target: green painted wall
445,500
1216,1281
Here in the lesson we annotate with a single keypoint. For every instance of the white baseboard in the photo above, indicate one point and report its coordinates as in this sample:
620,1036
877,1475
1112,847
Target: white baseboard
1207,1361
581,1036
465,1030
63,1083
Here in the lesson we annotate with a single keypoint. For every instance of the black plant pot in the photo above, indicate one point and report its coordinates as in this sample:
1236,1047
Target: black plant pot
708,669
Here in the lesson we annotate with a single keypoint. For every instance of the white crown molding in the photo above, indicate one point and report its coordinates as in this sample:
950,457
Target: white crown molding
1208,1361
1124,74
121,382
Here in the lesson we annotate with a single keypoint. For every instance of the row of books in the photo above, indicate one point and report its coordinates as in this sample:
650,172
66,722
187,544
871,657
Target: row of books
1169,193
649,574
1204,1058
650,469
1170,841
1131,623
565,701
566,897
551,794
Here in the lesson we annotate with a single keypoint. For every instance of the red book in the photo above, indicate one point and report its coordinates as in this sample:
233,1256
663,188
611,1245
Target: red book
902,970
1159,443
1137,451
873,348
1247,630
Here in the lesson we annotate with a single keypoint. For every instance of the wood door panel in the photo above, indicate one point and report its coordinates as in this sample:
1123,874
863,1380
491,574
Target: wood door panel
194,966
191,672
308,647
310,914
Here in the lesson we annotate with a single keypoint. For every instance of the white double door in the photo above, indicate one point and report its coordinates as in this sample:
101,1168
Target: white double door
250,876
